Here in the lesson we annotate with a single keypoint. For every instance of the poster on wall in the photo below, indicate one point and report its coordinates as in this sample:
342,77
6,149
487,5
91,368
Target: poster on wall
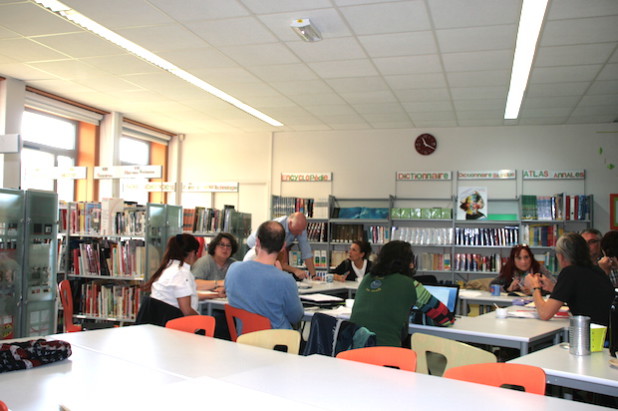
613,211
472,203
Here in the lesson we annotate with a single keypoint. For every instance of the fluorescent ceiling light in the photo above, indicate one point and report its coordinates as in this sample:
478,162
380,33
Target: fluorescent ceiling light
94,27
305,30
530,22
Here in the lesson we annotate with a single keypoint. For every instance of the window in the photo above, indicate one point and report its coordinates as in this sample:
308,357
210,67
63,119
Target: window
134,152
48,141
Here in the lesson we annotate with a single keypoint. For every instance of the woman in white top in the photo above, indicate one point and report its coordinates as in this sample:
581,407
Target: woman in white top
173,282
357,265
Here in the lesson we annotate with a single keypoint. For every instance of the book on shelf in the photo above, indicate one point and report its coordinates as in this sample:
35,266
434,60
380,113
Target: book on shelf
423,235
188,219
310,207
433,261
487,236
433,213
109,300
477,262
578,207
536,207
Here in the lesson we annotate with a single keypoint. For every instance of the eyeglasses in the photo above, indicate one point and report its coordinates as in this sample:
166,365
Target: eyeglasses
223,245
593,241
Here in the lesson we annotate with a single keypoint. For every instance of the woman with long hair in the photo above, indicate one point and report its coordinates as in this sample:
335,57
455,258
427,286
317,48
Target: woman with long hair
385,296
356,265
173,282
513,273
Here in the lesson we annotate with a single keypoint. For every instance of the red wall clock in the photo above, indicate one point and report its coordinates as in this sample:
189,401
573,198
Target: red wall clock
425,144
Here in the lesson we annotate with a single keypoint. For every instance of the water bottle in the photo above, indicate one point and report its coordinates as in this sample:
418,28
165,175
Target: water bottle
613,325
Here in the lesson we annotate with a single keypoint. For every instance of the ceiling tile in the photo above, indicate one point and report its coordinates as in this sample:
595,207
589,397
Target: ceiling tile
28,19
162,38
260,54
477,61
348,68
477,39
564,74
416,81
387,18
580,31
358,84
232,32
79,45
328,50
399,44
189,10
574,55
568,9
24,50
369,97
284,72
278,6
479,78
115,14
327,22
468,13
122,65
390,66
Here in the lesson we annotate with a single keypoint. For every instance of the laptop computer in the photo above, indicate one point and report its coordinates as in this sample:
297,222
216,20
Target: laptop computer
448,294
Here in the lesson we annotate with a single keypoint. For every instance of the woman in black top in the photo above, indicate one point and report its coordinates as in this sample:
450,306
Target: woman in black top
357,265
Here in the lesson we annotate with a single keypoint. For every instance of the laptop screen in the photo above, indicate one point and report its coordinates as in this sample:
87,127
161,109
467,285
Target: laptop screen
448,294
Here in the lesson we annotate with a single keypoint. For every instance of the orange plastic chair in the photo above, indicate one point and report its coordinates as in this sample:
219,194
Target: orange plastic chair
66,298
193,324
394,357
3,406
531,378
250,321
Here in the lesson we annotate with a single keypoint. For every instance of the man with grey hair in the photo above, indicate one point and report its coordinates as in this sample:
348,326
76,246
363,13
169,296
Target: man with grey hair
583,286
593,238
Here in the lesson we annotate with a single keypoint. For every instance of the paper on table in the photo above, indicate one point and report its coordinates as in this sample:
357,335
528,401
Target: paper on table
207,292
470,293
319,298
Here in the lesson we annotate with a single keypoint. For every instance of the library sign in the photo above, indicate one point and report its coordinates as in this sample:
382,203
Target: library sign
423,175
128,172
226,187
150,186
554,174
487,175
60,173
306,177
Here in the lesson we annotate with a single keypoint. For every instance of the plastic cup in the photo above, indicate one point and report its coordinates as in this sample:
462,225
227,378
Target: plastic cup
349,303
597,337
501,312
330,278
495,290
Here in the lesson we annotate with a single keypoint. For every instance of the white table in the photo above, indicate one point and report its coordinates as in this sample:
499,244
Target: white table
149,367
584,372
521,333
333,384
85,376
467,297
174,351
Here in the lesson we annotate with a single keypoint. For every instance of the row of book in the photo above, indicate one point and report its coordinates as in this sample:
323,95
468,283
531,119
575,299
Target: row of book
556,207
433,262
111,216
477,262
423,235
502,236
106,258
317,232
312,208
205,220
109,300
541,235
434,213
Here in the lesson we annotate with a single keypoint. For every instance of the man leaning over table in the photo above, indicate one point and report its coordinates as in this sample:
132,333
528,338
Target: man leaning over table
295,226
583,286
260,287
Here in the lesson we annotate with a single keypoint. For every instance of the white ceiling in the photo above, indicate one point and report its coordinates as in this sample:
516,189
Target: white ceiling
381,64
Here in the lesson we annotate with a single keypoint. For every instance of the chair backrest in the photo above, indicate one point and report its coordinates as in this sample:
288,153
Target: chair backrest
531,378
269,339
3,406
250,321
66,298
395,357
455,352
194,324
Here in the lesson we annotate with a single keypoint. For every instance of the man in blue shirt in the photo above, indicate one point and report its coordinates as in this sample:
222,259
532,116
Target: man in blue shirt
295,226
259,287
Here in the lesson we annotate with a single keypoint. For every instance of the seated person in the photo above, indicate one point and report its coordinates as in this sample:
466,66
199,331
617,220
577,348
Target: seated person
513,273
593,238
357,265
609,261
172,282
387,294
210,269
259,287
581,285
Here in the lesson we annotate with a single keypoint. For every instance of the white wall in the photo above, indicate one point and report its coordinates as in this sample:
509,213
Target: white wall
244,158
364,162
